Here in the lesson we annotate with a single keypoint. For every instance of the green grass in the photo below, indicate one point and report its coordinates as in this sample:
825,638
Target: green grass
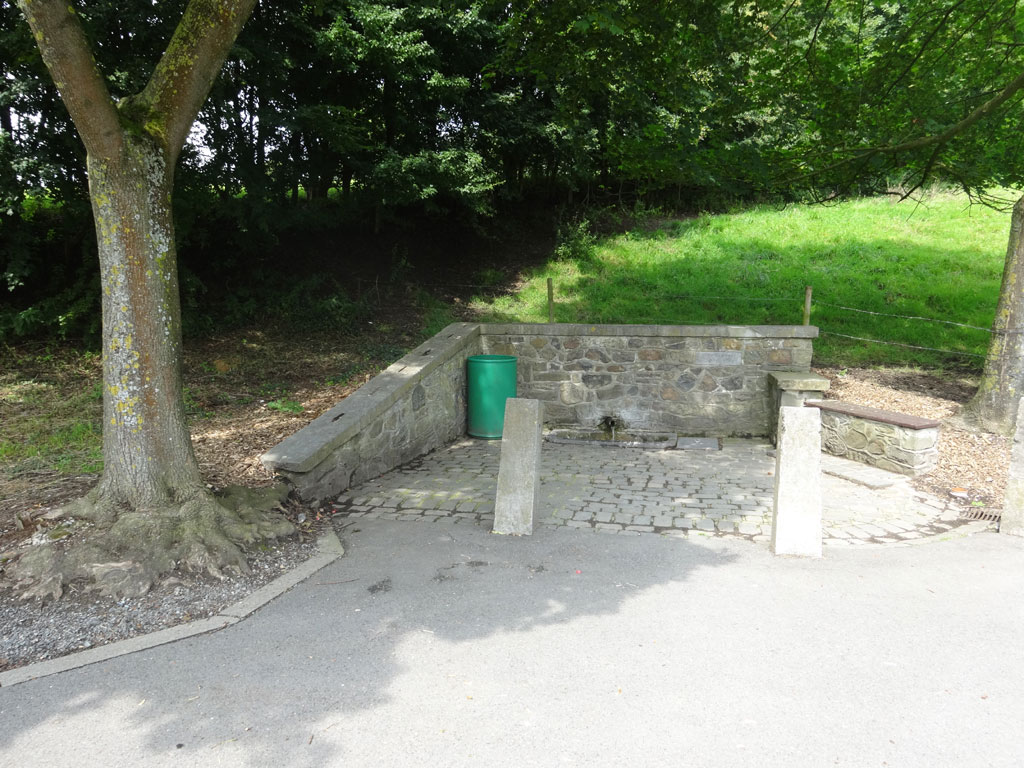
941,259
285,405
51,422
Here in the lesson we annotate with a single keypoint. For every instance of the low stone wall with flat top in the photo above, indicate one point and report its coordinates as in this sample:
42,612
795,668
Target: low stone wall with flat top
416,405
701,380
695,380
885,439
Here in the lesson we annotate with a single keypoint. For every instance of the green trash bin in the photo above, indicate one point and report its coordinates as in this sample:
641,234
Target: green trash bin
491,380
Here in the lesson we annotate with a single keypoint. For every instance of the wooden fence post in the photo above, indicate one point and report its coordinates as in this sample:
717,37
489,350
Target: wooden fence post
807,305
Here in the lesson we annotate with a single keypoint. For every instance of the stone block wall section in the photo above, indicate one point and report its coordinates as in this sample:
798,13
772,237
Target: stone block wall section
696,380
885,439
791,389
414,406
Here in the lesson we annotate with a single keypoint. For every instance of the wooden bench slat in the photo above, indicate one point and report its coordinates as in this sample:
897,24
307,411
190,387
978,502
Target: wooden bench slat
873,414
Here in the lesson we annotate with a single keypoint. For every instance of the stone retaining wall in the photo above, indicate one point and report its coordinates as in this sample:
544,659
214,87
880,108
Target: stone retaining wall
697,380
885,439
415,406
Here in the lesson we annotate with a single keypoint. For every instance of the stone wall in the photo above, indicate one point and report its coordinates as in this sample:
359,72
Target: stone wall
415,406
885,439
695,380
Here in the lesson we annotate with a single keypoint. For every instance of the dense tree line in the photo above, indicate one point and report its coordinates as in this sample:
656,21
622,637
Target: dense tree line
361,116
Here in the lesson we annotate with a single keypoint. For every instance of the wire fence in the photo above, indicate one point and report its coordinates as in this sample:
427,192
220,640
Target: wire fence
906,317
807,300
901,344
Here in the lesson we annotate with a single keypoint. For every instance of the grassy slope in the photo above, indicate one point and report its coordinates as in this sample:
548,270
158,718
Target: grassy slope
941,259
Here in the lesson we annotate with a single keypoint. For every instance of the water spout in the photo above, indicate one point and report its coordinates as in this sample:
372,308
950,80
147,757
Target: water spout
609,424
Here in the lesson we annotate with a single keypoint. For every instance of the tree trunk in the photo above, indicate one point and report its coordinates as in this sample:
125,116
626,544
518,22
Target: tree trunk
152,511
152,466
346,183
994,406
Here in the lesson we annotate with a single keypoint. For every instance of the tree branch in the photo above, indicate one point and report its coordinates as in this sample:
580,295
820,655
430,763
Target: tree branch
771,30
921,142
68,56
182,79
817,28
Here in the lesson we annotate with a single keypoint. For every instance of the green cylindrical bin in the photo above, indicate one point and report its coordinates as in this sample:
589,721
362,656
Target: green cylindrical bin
491,380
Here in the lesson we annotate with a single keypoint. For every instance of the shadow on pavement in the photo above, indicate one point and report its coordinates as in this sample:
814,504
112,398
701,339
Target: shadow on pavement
286,686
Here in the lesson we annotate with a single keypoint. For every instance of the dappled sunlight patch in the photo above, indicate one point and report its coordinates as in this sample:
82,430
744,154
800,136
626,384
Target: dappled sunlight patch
15,392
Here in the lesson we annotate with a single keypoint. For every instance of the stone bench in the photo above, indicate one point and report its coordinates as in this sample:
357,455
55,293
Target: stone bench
884,439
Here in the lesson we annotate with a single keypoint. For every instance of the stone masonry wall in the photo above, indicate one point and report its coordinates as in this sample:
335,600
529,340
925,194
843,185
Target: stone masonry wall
416,405
695,380
885,439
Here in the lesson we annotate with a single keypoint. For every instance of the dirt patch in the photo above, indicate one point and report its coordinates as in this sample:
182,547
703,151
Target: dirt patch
31,632
244,393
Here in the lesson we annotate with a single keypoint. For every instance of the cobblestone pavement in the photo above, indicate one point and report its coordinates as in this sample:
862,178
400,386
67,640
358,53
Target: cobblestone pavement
672,492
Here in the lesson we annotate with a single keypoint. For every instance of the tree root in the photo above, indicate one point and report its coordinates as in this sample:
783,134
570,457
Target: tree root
126,552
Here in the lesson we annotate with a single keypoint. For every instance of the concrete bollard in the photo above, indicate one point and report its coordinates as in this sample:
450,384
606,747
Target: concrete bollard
519,469
796,517
1012,520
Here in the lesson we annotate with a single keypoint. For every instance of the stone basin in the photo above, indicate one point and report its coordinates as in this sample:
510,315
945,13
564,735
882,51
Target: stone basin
619,438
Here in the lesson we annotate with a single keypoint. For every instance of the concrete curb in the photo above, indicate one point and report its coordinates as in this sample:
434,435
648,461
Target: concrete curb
330,549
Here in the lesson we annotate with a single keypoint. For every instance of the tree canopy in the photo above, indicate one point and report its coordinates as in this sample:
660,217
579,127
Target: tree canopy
361,115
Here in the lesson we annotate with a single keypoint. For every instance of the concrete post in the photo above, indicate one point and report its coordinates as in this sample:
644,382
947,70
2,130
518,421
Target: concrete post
519,469
791,388
1012,521
796,518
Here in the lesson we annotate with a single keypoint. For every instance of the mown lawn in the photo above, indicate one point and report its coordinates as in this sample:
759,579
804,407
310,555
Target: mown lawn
940,259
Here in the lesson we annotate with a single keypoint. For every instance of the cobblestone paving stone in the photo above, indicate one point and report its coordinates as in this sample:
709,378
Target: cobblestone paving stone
640,492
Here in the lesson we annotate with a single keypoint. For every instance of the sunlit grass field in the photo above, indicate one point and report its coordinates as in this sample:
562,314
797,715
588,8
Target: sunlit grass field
941,258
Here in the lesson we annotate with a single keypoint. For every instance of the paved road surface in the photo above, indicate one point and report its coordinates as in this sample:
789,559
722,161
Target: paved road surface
443,645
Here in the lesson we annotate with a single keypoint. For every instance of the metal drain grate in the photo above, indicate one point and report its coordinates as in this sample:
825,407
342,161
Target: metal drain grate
977,513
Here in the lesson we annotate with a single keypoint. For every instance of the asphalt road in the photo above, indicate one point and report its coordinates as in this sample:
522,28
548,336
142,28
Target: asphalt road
440,644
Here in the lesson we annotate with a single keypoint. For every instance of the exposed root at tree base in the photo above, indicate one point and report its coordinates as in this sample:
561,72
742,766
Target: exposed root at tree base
124,554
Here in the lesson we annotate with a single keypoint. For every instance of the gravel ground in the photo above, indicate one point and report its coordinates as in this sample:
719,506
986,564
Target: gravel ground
33,631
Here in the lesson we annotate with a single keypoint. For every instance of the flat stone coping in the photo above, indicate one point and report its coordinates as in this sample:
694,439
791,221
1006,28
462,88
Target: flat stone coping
628,439
305,449
581,329
330,549
699,444
874,478
873,414
799,380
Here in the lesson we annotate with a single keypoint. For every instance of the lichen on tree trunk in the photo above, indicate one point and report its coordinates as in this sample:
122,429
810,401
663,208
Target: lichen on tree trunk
151,509
994,406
